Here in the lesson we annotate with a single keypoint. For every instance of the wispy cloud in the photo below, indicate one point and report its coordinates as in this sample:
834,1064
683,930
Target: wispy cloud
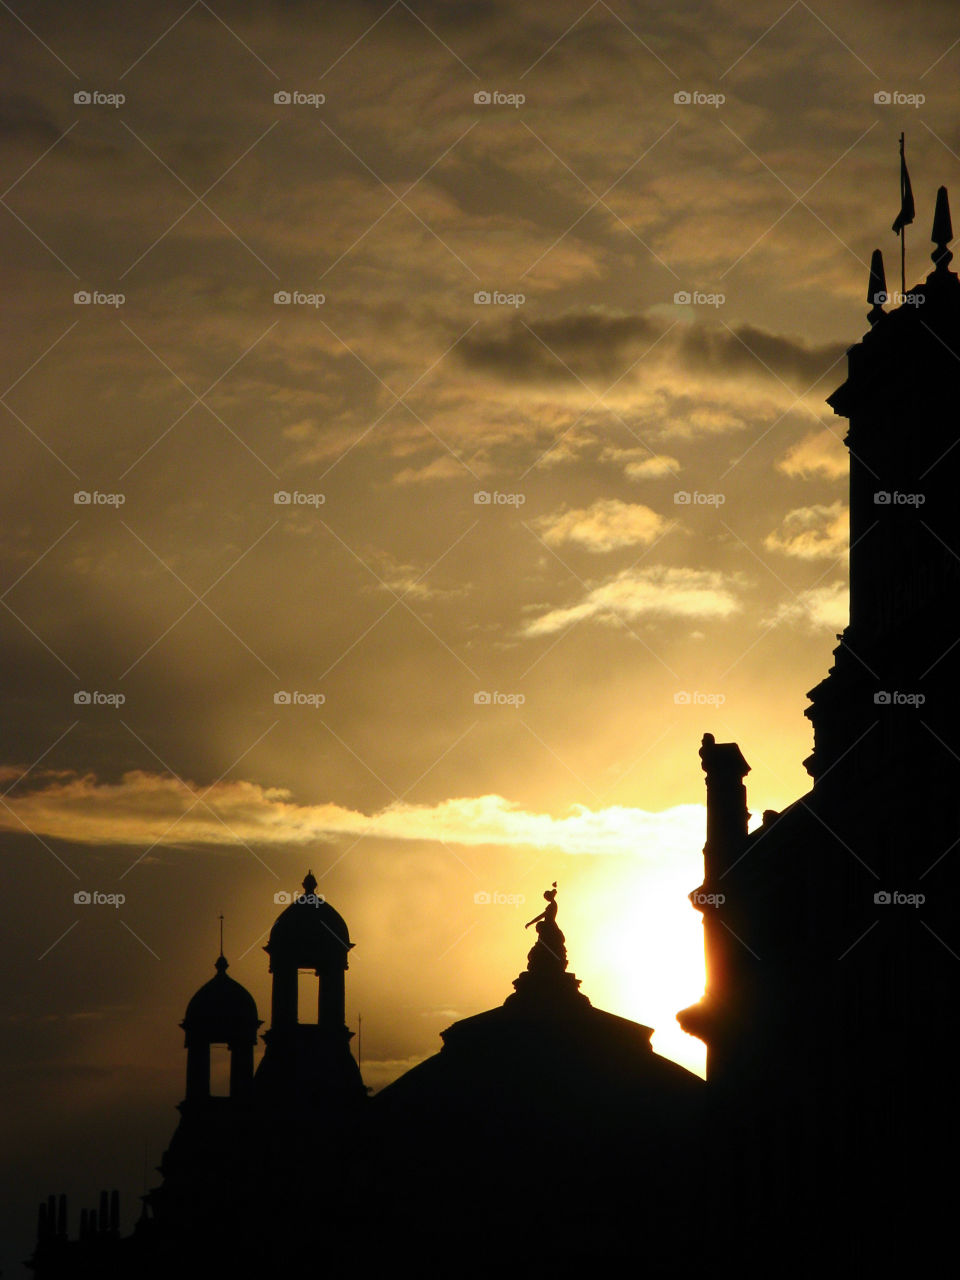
818,452
660,591
153,809
604,526
816,609
812,533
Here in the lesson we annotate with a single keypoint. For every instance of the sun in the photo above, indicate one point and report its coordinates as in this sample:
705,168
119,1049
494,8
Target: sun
647,959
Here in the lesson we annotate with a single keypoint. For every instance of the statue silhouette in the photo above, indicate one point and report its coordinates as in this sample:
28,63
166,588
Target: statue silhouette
549,951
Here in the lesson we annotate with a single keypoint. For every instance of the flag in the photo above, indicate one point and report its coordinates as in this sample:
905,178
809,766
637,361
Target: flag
907,211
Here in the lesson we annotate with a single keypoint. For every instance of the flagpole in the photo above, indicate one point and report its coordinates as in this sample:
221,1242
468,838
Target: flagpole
903,242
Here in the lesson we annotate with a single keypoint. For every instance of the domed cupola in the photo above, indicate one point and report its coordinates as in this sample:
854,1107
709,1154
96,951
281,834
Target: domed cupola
307,1065
309,934
221,1012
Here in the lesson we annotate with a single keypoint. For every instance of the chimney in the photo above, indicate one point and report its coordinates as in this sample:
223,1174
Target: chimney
727,814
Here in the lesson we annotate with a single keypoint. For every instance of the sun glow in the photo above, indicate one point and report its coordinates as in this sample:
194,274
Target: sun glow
646,962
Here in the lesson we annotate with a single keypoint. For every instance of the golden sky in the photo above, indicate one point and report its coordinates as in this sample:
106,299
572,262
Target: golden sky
531,318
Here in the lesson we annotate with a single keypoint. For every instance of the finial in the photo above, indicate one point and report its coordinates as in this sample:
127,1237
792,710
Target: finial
877,288
221,965
942,232
309,883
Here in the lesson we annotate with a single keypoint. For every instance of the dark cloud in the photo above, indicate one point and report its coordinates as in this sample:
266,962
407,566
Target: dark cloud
596,343
26,121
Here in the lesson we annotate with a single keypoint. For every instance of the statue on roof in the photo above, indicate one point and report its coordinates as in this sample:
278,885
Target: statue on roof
549,952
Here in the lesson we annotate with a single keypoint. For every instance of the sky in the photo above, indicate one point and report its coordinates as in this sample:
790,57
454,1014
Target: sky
413,440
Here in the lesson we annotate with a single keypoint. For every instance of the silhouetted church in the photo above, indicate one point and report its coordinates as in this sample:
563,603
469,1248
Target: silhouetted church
833,958
539,1129
546,1135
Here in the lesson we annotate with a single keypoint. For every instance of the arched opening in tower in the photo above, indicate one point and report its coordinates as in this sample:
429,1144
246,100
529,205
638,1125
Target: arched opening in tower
308,997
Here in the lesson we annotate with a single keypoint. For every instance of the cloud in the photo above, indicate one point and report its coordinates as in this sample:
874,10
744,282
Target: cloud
658,590
819,451
445,467
604,526
813,533
641,464
598,343
153,809
818,608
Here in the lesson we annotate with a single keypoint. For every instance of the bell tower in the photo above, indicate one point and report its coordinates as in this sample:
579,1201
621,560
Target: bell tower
309,1064
221,1012
898,654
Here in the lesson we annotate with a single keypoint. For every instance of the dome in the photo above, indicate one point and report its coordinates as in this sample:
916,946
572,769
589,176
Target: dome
309,933
222,1011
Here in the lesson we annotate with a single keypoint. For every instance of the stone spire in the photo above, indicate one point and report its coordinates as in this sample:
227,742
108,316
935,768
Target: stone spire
877,287
942,232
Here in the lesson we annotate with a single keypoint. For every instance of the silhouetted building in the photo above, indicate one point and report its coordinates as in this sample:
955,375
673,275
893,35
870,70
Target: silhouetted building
543,1103
545,1132
831,932
546,1135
